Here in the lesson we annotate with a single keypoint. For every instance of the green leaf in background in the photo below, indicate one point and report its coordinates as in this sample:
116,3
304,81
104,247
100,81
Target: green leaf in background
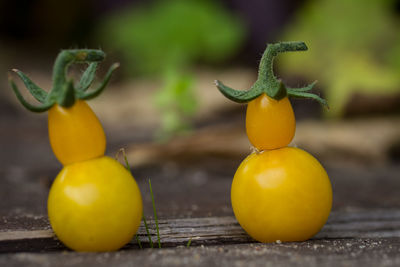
177,103
354,47
173,33
166,37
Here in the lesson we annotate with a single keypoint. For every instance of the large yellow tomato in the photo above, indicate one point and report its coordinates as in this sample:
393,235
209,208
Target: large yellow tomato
75,133
270,123
283,194
95,205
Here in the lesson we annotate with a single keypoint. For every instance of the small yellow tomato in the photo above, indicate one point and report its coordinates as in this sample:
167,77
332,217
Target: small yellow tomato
95,205
75,133
283,194
270,123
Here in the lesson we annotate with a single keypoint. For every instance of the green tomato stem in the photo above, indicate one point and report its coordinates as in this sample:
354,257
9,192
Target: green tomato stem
38,93
64,92
87,77
267,82
67,57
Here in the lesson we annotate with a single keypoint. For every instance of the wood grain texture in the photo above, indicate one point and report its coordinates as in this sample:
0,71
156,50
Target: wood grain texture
220,230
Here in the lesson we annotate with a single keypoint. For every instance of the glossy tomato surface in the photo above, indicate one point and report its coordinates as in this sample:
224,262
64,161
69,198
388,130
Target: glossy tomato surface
95,205
270,123
75,133
283,194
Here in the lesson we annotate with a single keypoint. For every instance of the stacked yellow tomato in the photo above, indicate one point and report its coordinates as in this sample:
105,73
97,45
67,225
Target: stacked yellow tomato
278,192
94,204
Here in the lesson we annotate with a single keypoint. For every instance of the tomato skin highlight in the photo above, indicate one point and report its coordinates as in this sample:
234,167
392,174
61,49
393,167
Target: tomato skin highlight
283,194
95,205
270,123
75,133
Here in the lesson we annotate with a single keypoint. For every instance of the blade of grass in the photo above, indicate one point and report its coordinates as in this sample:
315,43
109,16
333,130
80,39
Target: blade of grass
155,215
138,241
148,232
189,242
127,166
122,150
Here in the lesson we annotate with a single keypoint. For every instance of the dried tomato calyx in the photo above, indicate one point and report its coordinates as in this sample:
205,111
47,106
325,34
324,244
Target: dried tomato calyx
267,82
63,91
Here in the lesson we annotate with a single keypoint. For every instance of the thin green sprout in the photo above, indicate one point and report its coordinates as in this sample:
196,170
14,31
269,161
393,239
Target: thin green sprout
189,242
155,215
128,167
148,232
138,241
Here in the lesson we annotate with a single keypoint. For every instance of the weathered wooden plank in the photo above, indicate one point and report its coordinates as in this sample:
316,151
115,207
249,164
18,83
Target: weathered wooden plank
222,230
18,235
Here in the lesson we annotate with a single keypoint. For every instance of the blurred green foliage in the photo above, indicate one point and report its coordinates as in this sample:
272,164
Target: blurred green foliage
165,39
354,48
177,102
174,32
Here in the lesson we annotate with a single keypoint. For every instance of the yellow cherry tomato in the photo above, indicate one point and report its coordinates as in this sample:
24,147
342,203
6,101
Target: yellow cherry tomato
270,123
283,194
95,205
75,133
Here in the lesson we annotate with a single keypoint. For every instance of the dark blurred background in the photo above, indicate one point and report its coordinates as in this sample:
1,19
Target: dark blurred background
46,26
162,106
